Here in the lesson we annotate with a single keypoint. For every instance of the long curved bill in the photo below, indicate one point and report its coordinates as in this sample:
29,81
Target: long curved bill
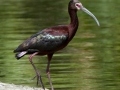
88,12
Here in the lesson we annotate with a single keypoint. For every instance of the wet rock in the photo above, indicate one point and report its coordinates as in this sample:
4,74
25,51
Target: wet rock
5,86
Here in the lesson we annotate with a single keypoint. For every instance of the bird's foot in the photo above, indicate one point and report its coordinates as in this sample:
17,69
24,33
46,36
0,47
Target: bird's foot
39,80
34,77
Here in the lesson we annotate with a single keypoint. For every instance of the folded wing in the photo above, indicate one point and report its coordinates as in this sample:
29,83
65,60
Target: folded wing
45,40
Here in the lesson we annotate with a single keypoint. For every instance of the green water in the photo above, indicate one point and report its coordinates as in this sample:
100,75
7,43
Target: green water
89,62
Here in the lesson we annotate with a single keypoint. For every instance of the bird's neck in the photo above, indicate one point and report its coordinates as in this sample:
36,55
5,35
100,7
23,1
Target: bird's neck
73,26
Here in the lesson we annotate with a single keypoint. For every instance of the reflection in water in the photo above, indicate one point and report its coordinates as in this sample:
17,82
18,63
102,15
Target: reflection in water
89,62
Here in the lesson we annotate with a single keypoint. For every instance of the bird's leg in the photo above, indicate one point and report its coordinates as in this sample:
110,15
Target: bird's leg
48,70
39,79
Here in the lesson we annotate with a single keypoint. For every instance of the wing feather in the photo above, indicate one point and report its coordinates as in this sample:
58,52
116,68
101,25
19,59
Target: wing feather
45,40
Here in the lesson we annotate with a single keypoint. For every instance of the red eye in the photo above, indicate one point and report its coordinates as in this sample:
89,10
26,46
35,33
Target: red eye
78,5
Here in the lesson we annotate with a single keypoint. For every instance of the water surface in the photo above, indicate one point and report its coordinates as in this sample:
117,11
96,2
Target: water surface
89,62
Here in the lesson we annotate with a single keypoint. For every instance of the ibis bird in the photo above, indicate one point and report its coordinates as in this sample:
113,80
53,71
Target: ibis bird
52,39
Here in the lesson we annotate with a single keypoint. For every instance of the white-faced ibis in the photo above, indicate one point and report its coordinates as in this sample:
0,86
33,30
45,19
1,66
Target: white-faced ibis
50,40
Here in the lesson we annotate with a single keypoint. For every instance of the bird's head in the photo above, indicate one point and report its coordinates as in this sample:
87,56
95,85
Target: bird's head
76,5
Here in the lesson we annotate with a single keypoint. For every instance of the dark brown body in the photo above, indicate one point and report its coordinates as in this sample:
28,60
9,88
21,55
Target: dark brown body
66,32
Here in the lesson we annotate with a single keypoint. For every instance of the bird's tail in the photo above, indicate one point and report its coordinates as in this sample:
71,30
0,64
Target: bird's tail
20,54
